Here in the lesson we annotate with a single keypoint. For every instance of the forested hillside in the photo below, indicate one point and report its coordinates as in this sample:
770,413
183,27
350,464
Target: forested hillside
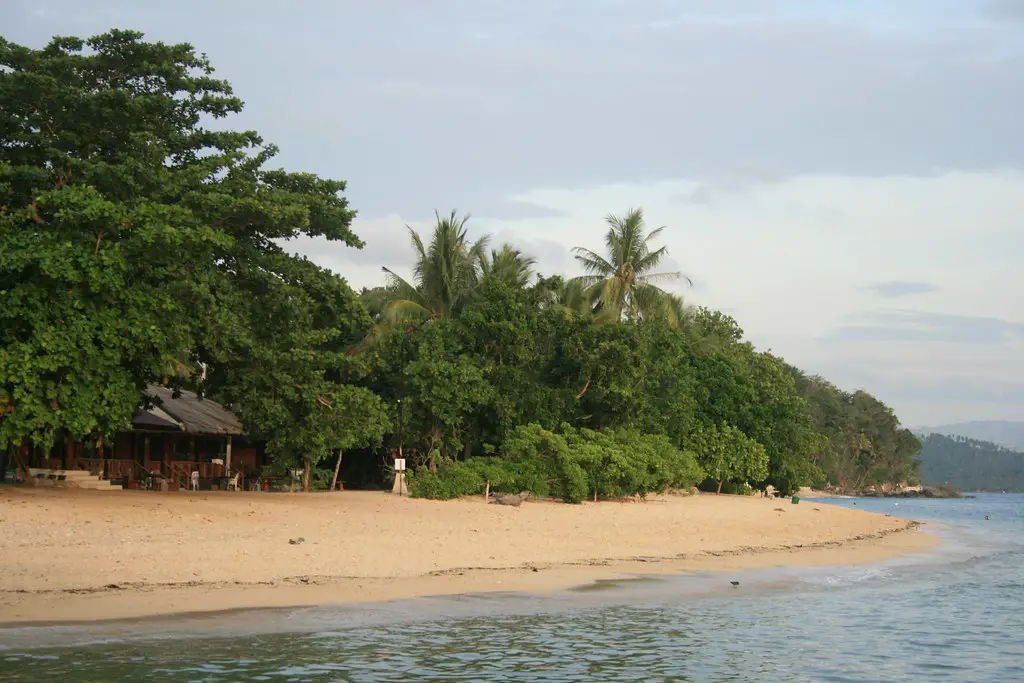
971,465
864,443
1001,432
138,246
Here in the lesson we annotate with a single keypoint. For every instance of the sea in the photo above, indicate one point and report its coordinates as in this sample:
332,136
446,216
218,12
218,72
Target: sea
952,614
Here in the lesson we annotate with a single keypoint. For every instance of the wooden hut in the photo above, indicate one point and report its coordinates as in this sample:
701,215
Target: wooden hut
181,434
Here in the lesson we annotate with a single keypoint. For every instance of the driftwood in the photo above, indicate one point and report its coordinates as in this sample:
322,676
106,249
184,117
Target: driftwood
513,499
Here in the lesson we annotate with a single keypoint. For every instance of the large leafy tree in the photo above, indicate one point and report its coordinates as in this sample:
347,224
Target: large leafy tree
293,377
623,283
727,454
126,223
435,385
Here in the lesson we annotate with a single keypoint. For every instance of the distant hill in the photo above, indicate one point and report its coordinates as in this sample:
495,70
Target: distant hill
970,464
1002,432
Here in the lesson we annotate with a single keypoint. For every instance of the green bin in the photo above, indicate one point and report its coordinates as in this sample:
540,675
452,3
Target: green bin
796,499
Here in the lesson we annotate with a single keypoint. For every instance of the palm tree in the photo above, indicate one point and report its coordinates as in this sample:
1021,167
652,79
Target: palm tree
510,266
622,285
444,277
671,308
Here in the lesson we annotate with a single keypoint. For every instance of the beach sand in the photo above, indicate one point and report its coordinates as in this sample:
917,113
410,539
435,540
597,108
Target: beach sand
69,555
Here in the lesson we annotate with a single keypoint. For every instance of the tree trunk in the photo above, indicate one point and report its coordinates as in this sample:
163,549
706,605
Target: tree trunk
432,453
337,468
103,458
719,487
18,454
305,473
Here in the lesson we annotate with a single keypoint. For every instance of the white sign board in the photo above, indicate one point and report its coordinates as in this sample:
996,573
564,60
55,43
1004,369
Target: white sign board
399,464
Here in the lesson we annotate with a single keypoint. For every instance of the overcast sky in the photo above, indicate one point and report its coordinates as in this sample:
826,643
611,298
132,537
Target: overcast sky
845,179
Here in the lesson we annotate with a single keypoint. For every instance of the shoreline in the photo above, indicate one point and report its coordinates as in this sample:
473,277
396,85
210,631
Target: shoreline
531,554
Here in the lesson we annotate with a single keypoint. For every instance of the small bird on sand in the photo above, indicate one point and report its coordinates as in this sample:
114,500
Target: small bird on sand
735,583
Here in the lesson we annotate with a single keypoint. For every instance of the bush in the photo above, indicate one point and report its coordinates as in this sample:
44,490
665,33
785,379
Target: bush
320,478
573,465
451,480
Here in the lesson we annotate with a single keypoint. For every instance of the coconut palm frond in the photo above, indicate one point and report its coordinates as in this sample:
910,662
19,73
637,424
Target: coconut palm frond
405,311
651,278
593,262
400,288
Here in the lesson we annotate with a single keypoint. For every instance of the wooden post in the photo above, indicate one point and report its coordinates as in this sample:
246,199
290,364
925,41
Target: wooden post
400,487
337,469
145,453
103,458
227,458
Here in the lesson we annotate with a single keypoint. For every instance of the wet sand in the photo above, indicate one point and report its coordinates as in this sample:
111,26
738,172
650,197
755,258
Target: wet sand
79,555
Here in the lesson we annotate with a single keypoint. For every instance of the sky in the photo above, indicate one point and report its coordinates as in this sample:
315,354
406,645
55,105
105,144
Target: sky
845,179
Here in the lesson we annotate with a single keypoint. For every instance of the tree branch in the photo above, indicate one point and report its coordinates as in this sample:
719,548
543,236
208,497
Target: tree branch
583,390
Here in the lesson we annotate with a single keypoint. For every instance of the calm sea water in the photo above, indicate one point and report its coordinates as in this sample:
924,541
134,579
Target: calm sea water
955,615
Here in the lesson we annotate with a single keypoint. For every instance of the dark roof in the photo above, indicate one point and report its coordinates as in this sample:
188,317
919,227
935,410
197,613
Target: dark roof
188,413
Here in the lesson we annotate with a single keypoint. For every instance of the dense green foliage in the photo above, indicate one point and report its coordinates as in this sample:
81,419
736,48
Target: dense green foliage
971,465
569,464
138,245
864,443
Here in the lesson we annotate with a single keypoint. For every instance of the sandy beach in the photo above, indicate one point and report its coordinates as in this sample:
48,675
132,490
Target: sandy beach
80,555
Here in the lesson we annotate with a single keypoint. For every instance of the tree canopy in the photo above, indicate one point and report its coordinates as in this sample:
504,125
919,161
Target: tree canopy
136,238
141,244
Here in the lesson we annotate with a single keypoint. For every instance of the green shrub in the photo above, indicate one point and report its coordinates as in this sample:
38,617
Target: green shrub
320,478
451,480
573,465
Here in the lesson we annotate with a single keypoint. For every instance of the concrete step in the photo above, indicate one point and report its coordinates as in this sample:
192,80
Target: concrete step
74,475
103,486
63,475
80,479
93,484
